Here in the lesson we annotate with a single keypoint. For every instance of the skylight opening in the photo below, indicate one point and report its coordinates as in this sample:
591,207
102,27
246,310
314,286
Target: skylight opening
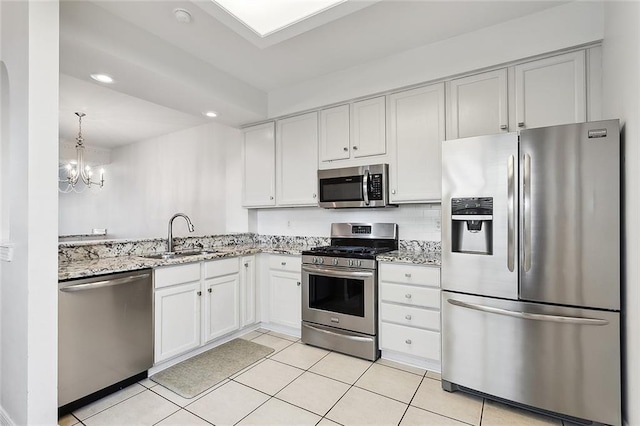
267,17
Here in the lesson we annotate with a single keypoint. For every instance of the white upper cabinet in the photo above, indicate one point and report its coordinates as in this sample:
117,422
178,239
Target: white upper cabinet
478,105
297,160
416,132
551,91
334,133
259,173
368,128
350,134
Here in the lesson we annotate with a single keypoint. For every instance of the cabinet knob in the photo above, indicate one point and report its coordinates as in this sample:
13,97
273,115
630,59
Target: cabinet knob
393,191
408,295
345,149
246,265
407,275
355,148
504,127
408,317
271,197
210,290
521,124
199,293
298,283
314,195
408,341
283,263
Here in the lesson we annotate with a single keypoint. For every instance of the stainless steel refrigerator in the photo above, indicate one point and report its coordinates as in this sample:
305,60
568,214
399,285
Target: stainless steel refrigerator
531,268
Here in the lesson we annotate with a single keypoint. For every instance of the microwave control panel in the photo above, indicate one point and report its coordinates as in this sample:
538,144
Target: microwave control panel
375,187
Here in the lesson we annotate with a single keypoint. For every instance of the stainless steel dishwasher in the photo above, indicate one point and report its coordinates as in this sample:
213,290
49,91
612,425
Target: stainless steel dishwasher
105,335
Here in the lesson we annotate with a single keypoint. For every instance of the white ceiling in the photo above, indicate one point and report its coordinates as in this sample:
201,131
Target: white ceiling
167,72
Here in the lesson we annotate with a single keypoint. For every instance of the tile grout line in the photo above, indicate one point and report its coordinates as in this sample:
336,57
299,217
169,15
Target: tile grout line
117,403
411,400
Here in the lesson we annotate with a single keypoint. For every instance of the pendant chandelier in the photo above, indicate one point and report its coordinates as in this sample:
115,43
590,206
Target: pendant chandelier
78,171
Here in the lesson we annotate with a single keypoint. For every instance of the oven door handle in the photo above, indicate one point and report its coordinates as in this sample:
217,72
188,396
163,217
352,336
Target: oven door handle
336,273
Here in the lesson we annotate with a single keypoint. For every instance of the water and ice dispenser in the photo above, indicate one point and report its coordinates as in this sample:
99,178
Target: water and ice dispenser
472,225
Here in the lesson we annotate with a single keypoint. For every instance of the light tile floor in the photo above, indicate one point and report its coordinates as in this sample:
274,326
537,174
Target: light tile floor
303,385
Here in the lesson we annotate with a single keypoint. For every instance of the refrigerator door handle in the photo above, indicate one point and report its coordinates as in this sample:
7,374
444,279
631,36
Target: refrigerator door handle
526,207
529,315
511,214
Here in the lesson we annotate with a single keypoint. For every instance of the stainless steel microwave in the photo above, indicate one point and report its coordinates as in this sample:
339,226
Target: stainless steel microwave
363,186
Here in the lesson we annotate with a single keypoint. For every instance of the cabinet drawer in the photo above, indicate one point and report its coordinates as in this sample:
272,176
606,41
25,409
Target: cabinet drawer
285,263
411,341
410,274
171,275
218,268
407,315
410,295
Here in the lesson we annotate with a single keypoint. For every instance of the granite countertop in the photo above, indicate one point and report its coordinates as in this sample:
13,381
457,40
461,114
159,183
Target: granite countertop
87,259
106,265
411,256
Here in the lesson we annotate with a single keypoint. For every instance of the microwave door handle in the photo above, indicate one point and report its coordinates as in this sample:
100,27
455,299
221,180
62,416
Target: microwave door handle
365,187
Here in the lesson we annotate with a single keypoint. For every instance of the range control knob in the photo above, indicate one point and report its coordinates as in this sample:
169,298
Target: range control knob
321,260
315,260
350,262
359,262
335,261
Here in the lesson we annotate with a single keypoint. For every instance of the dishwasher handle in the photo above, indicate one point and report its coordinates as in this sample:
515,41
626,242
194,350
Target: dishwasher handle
104,283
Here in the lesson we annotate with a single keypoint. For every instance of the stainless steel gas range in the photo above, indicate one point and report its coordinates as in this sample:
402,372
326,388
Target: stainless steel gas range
340,288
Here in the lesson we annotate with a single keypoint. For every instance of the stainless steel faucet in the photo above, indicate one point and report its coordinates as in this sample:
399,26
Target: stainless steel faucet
170,236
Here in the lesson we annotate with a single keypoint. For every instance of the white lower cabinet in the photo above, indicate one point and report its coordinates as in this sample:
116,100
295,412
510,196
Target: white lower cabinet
248,290
177,320
285,288
409,308
221,306
195,303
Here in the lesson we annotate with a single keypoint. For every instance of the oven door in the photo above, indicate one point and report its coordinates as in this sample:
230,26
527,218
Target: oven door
344,298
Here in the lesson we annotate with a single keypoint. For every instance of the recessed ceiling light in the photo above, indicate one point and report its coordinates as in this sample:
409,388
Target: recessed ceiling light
102,78
182,15
211,114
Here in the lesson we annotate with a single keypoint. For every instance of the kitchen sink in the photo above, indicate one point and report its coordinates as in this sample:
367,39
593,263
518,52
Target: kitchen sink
175,255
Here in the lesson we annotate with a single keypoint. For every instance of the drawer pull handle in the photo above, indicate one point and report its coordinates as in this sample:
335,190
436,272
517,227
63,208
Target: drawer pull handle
210,290
408,317
407,275
408,341
408,295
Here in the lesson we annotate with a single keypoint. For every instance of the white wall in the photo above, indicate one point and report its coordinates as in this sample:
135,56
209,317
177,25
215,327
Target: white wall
415,222
149,181
621,89
28,310
553,29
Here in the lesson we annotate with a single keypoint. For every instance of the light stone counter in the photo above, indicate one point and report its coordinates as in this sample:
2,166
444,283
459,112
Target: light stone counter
87,259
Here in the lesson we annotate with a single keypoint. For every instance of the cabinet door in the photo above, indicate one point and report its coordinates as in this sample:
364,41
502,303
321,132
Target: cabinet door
417,123
286,299
334,133
297,160
478,105
248,291
551,91
259,173
368,128
221,306
177,320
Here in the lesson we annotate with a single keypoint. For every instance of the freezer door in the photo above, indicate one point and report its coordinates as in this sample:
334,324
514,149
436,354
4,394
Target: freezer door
479,249
570,214
563,360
